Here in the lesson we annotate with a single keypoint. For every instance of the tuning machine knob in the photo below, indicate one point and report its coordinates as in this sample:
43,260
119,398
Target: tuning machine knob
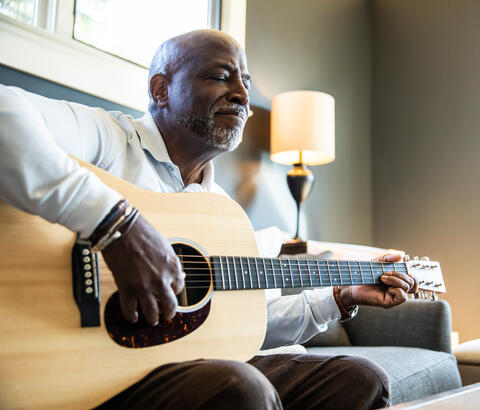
415,258
406,258
424,258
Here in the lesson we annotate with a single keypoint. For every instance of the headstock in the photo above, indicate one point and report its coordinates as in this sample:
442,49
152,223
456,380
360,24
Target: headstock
428,275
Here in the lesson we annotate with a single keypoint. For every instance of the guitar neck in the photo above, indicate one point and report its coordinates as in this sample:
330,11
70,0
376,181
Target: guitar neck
236,273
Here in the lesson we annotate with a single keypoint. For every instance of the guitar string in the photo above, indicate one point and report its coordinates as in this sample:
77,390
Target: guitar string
286,259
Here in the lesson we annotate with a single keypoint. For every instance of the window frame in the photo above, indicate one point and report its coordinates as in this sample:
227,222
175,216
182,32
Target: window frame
50,52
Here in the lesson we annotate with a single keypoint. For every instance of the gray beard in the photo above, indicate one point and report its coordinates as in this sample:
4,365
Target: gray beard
225,139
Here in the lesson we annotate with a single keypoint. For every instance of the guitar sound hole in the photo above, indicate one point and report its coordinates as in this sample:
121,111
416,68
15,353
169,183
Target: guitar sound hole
141,334
197,269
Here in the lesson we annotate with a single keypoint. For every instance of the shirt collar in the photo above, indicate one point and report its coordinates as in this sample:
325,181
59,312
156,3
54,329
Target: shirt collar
150,138
152,141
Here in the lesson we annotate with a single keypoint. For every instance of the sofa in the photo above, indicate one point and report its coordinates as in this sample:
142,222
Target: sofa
411,342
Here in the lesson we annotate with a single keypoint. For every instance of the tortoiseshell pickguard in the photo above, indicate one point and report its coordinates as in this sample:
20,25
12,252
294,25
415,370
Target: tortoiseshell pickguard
142,334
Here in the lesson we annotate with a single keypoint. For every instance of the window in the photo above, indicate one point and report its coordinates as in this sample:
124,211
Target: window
61,40
134,30
23,10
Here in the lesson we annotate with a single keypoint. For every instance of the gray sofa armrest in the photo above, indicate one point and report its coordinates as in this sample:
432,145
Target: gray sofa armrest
415,323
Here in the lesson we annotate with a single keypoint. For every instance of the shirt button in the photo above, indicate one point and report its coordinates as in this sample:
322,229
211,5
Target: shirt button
170,168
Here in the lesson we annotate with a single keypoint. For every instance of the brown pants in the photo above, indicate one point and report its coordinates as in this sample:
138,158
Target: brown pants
288,381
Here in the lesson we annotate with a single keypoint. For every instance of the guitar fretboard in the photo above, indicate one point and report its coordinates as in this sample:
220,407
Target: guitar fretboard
236,273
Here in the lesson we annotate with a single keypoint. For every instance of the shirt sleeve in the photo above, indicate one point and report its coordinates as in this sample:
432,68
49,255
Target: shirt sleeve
297,318
37,175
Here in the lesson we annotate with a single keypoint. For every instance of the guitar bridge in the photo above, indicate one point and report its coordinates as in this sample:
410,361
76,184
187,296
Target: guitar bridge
85,281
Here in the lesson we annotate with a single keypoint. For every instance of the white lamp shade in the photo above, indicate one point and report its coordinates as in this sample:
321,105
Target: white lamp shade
302,128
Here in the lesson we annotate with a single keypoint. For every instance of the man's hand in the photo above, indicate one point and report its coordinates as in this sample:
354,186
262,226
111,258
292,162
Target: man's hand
146,271
392,293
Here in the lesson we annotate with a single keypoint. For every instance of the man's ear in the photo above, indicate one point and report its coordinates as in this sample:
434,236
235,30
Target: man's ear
159,89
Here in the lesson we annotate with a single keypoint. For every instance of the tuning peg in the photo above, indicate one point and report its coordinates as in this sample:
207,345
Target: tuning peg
415,258
424,258
406,258
433,297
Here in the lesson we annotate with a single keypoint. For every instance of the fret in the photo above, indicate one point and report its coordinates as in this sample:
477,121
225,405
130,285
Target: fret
350,273
383,269
228,274
373,276
258,275
242,285
250,274
274,276
273,273
290,270
274,285
339,272
281,274
228,269
329,274
243,274
319,271
221,272
247,274
300,273
360,273
266,273
378,272
309,273
242,277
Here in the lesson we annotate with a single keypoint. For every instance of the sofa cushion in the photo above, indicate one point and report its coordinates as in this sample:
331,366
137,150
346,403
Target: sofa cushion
334,336
414,373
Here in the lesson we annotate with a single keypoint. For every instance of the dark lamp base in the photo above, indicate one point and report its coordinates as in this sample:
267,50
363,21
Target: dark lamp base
293,248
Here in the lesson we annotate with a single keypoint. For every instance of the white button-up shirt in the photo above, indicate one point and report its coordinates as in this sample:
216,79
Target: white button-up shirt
37,176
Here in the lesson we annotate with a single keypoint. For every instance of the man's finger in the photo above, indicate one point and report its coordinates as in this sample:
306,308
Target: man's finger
396,282
150,309
178,283
128,306
398,296
389,257
168,303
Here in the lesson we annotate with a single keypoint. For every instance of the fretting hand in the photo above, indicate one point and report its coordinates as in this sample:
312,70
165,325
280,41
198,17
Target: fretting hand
391,293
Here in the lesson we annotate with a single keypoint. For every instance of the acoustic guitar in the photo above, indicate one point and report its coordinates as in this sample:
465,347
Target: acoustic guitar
63,341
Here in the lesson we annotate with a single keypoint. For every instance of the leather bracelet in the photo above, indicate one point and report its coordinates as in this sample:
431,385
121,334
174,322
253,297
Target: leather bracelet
347,314
114,231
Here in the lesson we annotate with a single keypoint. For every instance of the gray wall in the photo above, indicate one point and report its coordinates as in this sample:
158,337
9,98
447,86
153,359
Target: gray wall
426,140
319,45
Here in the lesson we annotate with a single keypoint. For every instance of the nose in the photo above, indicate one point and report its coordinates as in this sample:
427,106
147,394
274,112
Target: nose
239,93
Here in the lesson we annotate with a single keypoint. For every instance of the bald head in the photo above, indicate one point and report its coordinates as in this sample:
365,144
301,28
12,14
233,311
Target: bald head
179,51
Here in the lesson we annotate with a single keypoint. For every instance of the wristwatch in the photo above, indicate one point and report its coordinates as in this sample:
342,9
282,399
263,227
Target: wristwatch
347,314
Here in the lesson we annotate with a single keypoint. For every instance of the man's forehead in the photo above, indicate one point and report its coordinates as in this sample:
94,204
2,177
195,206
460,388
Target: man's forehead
227,63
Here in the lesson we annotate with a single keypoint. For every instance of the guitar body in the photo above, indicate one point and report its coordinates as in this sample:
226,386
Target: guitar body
48,361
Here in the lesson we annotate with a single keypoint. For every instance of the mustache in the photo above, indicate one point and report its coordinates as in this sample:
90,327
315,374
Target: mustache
238,109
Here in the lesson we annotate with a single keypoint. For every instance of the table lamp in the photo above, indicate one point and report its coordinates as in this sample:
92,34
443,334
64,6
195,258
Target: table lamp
302,133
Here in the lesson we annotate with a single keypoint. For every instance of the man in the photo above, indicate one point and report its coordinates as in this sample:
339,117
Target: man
199,101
